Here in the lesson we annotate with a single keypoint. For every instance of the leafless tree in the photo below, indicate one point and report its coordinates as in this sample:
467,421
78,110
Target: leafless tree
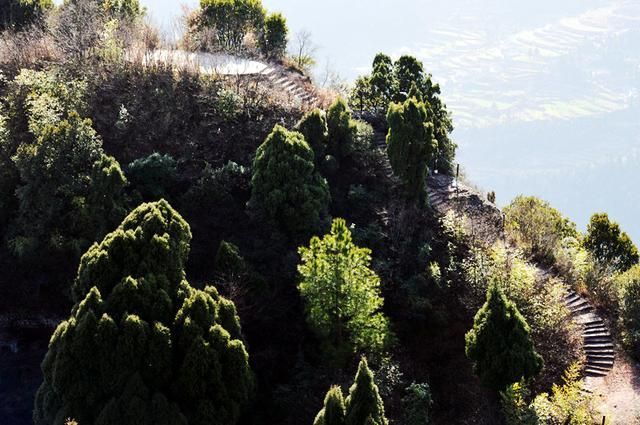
76,27
303,50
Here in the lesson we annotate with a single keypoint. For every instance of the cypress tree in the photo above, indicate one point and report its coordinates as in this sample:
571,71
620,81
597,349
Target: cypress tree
333,412
500,343
141,345
286,186
410,144
364,405
313,127
342,129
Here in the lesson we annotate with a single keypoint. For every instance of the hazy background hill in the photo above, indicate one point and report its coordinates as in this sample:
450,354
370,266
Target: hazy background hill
545,95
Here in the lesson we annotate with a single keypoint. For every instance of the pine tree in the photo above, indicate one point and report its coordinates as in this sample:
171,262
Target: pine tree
286,186
410,145
333,412
141,345
364,405
500,343
342,294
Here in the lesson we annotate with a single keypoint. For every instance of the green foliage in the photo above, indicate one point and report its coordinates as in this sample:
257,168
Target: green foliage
628,284
363,406
228,260
153,176
142,346
333,412
313,127
106,200
286,186
391,81
610,247
231,20
124,9
500,344
515,407
55,175
16,14
342,294
410,145
417,404
568,404
274,37
537,227
342,130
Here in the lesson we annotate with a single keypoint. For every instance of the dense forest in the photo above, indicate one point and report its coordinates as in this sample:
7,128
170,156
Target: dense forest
248,248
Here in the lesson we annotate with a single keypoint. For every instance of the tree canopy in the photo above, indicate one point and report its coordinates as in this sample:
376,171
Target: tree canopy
141,345
500,344
286,186
410,145
231,20
342,293
609,245
15,14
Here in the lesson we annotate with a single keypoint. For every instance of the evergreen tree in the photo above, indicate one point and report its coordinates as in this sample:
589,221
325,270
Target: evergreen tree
286,186
382,81
313,127
333,412
342,293
364,405
500,343
274,37
342,130
55,175
608,245
142,346
106,201
153,176
410,145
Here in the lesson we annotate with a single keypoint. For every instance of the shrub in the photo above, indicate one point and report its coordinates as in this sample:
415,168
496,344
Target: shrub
342,294
274,37
500,343
628,285
537,227
610,247
567,404
417,404
410,145
153,176
285,185
141,345
55,176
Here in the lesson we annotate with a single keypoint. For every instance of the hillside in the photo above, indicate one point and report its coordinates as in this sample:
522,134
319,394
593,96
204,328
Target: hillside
198,233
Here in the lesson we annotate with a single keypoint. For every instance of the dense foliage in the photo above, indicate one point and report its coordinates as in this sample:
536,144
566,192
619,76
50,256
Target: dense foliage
274,37
142,346
392,82
411,145
628,285
342,294
285,186
536,226
500,343
609,246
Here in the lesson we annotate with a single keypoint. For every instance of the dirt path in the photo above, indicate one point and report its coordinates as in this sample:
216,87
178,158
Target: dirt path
618,394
